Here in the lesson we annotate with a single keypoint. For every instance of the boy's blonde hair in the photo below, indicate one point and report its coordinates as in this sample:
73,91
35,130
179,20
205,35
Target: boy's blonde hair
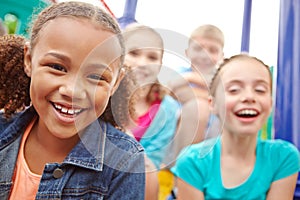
208,31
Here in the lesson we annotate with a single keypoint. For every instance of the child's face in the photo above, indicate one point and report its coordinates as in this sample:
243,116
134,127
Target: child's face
204,53
244,100
144,56
71,80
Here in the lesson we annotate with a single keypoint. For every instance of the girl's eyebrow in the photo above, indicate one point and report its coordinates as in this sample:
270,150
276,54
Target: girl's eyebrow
233,81
237,81
100,66
67,59
59,56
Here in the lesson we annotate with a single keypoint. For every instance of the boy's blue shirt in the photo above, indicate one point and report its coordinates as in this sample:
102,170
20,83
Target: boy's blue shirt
103,165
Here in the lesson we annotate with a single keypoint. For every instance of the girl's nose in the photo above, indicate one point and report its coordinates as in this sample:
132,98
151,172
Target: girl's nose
141,62
73,88
248,96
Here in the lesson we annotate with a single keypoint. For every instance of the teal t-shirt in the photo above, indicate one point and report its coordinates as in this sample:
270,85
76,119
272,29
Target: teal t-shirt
199,165
161,131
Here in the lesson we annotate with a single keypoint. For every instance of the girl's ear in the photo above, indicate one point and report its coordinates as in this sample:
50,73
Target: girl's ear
186,51
27,60
212,106
119,79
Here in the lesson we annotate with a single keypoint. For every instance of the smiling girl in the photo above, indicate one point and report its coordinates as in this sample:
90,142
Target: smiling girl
239,165
57,148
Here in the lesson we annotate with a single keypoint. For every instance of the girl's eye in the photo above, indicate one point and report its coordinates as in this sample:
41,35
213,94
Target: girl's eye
153,58
198,48
213,50
260,89
97,77
133,53
233,89
57,67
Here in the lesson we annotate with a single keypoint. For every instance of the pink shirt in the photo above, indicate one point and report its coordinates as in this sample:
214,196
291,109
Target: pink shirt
145,120
26,183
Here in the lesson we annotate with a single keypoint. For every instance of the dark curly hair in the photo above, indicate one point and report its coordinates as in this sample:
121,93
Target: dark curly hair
14,83
119,107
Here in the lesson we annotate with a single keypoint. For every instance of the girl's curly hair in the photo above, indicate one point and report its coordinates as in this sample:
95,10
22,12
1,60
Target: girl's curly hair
119,107
14,83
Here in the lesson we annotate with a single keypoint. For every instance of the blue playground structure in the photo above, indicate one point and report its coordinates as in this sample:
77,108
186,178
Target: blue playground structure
287,111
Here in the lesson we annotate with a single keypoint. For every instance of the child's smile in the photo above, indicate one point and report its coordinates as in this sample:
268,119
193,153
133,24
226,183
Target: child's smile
247,115
67,113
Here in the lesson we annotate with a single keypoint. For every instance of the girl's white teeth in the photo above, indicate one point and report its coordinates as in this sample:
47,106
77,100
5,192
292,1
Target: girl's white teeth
247,112
71,112
66,110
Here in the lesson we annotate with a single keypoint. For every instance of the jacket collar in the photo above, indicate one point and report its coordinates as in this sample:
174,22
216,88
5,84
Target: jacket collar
89,151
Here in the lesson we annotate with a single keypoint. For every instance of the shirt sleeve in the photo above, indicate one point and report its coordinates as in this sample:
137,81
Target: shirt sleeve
287,160
188,169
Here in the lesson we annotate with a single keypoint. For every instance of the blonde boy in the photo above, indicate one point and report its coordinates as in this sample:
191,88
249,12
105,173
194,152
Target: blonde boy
205,48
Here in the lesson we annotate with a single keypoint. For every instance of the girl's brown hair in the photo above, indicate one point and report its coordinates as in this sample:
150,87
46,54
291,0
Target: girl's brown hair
14,83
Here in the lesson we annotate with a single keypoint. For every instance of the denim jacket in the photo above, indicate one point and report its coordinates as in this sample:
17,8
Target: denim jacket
105,164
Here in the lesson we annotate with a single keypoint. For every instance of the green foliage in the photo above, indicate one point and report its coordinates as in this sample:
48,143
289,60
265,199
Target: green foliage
11,22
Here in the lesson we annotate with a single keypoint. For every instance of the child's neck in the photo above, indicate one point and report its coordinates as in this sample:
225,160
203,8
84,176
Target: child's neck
243,147
237,159
42,147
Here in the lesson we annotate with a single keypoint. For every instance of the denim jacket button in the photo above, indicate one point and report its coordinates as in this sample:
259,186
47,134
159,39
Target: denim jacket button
58,173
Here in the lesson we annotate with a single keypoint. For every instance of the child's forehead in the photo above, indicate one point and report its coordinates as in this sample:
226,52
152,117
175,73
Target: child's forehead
205,41
244,66
143,38
81,42
139,42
